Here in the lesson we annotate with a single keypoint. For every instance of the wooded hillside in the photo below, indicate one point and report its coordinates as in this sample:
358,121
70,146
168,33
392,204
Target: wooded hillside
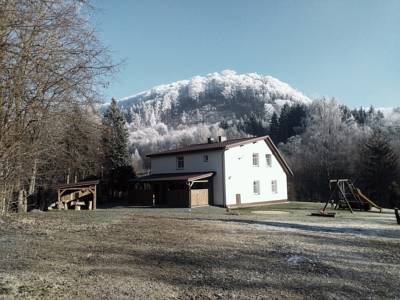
51,67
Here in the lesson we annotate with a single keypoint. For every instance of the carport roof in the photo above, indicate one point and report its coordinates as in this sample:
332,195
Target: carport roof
175,177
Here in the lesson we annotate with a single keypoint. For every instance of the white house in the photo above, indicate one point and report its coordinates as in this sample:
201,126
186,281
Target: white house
224,173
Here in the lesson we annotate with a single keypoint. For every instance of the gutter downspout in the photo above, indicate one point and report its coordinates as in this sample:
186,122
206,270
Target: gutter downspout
223,179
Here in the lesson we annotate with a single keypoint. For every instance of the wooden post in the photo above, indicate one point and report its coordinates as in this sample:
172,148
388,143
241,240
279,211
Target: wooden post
95,197
189,185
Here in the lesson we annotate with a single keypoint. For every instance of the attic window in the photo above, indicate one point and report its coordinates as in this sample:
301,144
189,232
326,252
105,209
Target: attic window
268,160
180,162
205,158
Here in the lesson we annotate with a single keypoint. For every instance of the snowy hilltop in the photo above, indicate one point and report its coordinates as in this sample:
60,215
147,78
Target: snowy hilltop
209,99
190,110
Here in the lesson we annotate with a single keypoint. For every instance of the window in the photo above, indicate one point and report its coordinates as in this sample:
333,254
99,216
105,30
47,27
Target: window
205,158
268,159
274,186
180,162
255,160
256,187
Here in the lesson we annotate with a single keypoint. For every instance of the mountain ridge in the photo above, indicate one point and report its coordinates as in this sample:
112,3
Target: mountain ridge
209,98
190,110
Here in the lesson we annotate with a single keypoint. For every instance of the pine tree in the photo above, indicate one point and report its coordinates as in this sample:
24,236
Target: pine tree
114,139
284,123
379,167
290,122
295,118
274,128
117,167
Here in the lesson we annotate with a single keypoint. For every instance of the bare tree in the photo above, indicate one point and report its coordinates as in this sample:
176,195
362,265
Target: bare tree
51,64
327,149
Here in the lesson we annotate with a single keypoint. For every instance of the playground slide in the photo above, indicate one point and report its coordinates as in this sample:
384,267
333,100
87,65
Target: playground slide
366,199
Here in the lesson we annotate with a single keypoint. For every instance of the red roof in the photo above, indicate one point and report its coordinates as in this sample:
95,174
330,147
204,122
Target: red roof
227,145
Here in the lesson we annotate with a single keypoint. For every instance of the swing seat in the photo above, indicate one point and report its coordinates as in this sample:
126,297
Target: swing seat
324,214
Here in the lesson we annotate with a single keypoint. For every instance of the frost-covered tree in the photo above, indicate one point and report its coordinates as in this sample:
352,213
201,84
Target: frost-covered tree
325,150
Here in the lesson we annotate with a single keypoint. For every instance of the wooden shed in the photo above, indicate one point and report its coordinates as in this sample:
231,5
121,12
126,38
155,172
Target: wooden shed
80,195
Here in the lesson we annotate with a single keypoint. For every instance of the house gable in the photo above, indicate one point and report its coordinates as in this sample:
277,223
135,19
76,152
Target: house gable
254,173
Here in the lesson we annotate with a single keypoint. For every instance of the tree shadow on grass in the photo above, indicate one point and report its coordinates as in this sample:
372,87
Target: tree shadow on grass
370,232
245,272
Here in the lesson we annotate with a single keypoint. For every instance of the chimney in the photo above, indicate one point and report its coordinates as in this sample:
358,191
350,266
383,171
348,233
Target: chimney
210,140
221,138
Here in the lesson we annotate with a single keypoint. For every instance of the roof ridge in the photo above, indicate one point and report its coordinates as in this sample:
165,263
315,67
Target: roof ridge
218,145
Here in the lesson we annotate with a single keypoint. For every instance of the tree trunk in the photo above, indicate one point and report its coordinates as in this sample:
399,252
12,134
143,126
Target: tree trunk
22,201
32,183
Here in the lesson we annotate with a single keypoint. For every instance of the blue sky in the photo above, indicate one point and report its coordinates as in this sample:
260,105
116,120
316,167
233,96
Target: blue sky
341,48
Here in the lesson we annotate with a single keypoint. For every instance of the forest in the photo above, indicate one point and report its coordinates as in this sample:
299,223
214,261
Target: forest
326,140
52,68
53,129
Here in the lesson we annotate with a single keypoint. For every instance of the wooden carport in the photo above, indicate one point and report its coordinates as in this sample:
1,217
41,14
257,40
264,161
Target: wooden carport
78,195
179,189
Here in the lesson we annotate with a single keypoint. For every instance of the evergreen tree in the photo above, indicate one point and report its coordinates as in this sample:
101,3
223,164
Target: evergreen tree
379,167
290,122
117,168
114,139
360,115
295,119
274,128
255,125
284,126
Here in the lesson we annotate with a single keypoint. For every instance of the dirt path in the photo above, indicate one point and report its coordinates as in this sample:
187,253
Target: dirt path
123,254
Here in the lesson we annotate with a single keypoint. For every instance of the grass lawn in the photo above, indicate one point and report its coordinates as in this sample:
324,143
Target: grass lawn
274,251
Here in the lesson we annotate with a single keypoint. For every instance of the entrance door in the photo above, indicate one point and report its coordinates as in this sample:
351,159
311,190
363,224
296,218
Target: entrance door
238,199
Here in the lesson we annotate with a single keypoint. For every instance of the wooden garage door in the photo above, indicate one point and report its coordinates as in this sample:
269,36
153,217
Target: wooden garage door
199,197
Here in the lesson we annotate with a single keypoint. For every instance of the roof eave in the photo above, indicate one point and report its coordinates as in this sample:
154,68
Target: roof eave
184,152
279,156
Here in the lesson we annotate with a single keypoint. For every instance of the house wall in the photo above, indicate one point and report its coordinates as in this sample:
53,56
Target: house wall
194,163
240,174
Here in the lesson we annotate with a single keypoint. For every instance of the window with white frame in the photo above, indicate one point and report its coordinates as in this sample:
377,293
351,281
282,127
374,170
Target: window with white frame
205,158
274,186
256,161
256,187
268,160
180,162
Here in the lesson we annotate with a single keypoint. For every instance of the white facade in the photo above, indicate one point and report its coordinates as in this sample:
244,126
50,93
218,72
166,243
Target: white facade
241,174
237,176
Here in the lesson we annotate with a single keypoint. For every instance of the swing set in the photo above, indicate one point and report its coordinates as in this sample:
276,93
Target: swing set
344,195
